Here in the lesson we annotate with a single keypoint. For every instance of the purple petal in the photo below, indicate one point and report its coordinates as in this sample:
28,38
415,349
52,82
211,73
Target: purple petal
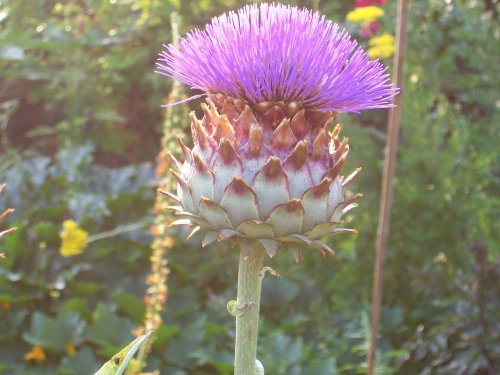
279,53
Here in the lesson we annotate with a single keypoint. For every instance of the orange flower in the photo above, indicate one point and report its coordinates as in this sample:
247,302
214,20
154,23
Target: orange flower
37,355
71,349
5,305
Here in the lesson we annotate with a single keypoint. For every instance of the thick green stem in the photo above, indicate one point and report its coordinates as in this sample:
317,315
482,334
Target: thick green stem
248,303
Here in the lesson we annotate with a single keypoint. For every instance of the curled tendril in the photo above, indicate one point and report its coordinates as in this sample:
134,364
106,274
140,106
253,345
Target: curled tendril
237,310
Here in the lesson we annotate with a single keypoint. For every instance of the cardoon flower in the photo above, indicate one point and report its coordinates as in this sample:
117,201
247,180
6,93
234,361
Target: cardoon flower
265,165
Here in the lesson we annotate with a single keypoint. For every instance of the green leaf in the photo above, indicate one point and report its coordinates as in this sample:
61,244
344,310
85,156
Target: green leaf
54,333
182,346
86,289
83,362
163,334
279,291
108,330
108,115
11,322
214,329
14,288
131,305
325,367
76,305
47,232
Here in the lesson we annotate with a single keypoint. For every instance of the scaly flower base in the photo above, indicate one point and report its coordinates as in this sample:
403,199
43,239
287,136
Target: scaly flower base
266,176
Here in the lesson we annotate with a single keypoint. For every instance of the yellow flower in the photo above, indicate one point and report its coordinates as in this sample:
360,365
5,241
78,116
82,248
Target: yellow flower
381,46
73,239
365,14
37,355
385,38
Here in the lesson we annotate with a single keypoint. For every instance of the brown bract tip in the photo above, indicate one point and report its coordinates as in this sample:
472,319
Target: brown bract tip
283,137
321,117
292,206
273,116
224,128
213,108
336,130
255,140
211,118
351,177
226,151
5,214
344,144
239,186
322,188
299,124
299,154
230,111
179,179
272,168
319,144
209,202
198,131
199,163
186,152
207,117
335,170
244,123
339,149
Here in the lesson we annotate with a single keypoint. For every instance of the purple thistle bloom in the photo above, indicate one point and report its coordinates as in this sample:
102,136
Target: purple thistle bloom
279,53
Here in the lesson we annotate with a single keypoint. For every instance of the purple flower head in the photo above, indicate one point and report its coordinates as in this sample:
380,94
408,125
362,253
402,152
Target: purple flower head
279,53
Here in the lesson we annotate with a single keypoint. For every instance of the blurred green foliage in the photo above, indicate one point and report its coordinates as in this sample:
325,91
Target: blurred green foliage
80,123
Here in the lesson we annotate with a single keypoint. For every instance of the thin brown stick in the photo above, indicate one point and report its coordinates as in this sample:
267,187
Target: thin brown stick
316,5
393,125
